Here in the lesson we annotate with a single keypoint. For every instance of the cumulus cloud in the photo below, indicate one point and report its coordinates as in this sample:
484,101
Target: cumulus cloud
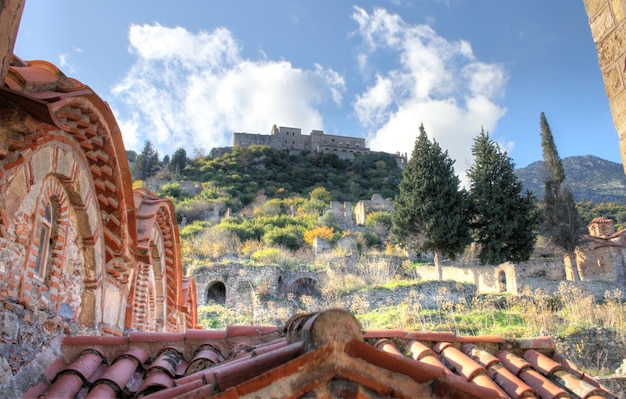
194,89
425,79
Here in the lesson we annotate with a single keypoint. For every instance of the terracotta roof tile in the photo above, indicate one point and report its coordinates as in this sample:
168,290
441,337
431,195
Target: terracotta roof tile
65,386
167,361
86,364
513,386
541,362
312,353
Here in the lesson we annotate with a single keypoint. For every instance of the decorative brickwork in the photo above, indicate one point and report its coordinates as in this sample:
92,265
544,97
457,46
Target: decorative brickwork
80,252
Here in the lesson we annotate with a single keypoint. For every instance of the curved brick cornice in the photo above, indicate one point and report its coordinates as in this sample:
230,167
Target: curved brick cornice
154,213
41,90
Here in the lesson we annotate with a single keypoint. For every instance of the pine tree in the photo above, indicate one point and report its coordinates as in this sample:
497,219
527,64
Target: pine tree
562,225
147,163
430,212
503,220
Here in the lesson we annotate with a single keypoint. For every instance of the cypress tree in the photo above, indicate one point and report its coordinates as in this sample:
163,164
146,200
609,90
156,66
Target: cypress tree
430,212
562,225
503,221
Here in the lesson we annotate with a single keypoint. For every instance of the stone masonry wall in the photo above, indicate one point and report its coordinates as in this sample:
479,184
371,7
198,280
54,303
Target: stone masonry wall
608,29
241,283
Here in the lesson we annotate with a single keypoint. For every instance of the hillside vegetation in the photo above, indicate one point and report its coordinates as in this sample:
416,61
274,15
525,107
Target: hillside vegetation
279,204
244,172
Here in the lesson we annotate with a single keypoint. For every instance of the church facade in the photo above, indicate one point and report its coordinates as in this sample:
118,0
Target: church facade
81,252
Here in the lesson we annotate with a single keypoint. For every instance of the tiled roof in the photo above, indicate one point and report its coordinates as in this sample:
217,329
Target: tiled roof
319,355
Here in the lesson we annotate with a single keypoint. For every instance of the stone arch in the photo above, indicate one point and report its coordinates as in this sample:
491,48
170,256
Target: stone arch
66,110
502,287
303,286
94,130
158,245
53,177
216,292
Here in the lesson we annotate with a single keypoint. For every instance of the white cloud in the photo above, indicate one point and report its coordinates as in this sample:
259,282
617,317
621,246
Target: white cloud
428,80
194,90
65,64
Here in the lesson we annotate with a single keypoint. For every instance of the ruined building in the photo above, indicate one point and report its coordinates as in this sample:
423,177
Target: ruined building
601,255
94,302
293,141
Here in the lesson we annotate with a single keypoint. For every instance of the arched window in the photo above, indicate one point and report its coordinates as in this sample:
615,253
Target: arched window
502,281
45,239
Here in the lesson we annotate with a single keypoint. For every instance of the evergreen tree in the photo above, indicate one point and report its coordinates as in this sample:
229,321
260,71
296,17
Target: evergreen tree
147,163
430,212
178,161
562,224
503,221
550,154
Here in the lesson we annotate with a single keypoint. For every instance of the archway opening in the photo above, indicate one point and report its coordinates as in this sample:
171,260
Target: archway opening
216,293
502,281
303,286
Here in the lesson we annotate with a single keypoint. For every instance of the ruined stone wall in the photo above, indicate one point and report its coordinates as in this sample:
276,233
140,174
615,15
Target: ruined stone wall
376,204
243,283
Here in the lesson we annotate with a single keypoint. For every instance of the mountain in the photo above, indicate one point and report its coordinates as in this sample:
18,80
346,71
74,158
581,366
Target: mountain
591,179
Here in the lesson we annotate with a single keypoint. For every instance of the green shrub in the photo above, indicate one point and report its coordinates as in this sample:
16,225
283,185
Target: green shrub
379,218
194,228
290,237
267,255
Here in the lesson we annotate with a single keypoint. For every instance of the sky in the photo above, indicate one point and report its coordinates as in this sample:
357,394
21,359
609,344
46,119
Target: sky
190,73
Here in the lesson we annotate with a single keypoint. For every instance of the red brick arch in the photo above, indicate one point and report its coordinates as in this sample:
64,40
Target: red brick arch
158,245
60,139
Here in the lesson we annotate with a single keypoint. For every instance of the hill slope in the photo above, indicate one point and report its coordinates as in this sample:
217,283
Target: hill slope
591,179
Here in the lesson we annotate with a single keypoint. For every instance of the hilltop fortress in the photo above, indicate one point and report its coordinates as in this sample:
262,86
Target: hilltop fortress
292,141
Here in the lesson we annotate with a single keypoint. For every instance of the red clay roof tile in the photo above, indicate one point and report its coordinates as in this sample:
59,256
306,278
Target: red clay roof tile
249,331
513,386
86,364
103,390
418,350
541,362
81,340
157,365
156,380
54,368
167,361
461,363
37,391
514,363
542,385
205,334
135,337
387,345
65,386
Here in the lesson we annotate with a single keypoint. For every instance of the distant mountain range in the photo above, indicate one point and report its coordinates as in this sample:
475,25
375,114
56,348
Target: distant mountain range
591,179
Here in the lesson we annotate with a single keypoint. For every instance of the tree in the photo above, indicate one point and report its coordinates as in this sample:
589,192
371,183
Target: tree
503,221
430,212
146,163
178,161
562,224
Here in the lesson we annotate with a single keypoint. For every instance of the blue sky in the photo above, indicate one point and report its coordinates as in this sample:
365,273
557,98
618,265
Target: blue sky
189,73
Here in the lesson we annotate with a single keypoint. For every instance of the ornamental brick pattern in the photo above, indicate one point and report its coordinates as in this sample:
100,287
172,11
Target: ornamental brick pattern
80,251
